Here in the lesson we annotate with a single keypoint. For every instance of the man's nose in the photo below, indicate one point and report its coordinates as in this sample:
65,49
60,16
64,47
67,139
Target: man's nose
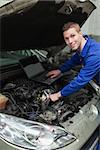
70,40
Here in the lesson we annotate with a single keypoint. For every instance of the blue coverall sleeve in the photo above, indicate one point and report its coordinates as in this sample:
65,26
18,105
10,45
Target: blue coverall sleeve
69,64
90,69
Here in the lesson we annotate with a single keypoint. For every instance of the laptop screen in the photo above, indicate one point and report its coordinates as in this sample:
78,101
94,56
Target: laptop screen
31,66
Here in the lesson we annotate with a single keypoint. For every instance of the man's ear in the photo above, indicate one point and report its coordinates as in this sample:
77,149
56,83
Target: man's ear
80,32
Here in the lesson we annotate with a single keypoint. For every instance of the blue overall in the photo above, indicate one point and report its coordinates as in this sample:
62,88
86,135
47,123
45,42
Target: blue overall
89,57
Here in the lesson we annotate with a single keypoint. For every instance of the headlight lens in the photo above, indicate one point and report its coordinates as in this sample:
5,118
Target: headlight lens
33,135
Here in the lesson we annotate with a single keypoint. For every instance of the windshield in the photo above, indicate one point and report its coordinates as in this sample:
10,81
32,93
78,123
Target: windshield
12,57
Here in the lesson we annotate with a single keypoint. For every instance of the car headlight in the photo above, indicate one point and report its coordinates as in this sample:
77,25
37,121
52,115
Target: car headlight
33,135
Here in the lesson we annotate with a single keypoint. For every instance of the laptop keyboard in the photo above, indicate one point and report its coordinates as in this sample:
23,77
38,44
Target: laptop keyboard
51,80
42,78
47,80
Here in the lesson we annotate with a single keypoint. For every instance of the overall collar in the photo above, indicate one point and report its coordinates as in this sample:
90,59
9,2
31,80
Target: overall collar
86,46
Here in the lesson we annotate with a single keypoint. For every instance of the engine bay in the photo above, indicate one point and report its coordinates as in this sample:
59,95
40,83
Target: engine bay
24,101
27,99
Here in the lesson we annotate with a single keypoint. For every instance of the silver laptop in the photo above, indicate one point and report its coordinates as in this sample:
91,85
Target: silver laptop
35,70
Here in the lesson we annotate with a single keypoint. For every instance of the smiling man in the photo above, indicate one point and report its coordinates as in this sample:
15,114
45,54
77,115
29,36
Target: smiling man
87,53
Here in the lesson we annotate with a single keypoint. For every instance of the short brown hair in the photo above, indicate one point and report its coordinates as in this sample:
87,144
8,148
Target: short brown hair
71,25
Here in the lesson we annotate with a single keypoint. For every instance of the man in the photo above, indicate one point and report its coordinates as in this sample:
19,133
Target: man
87,53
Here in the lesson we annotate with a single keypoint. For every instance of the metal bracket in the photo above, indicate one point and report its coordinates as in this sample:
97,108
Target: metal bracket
95,86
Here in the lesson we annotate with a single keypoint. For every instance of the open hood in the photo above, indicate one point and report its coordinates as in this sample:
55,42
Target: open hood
38,24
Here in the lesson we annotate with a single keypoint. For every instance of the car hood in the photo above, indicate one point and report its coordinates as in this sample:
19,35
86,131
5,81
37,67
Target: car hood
38,24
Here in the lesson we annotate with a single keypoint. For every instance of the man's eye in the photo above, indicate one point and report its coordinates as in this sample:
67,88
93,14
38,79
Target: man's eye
66,38
72,35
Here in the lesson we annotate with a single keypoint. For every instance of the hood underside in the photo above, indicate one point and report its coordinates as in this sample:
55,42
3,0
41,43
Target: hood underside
38,24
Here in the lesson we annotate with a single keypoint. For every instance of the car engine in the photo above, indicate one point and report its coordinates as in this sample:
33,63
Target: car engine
27,99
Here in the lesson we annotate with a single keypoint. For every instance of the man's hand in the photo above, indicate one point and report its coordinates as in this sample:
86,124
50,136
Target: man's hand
54,73
54,97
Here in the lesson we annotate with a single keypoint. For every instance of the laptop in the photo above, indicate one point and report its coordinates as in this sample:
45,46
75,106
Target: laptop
35,70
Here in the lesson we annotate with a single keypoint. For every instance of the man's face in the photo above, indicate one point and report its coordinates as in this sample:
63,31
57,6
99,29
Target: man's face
73,38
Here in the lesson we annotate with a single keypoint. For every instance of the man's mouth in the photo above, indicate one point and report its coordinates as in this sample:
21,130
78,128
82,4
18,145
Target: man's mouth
73,45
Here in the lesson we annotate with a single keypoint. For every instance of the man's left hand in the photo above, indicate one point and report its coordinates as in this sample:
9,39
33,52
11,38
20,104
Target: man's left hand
54,97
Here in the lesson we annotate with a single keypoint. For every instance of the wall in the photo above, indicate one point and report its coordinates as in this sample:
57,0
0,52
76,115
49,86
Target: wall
92,25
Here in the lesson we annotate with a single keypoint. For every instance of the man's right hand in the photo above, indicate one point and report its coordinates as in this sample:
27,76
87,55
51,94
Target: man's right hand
54,73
